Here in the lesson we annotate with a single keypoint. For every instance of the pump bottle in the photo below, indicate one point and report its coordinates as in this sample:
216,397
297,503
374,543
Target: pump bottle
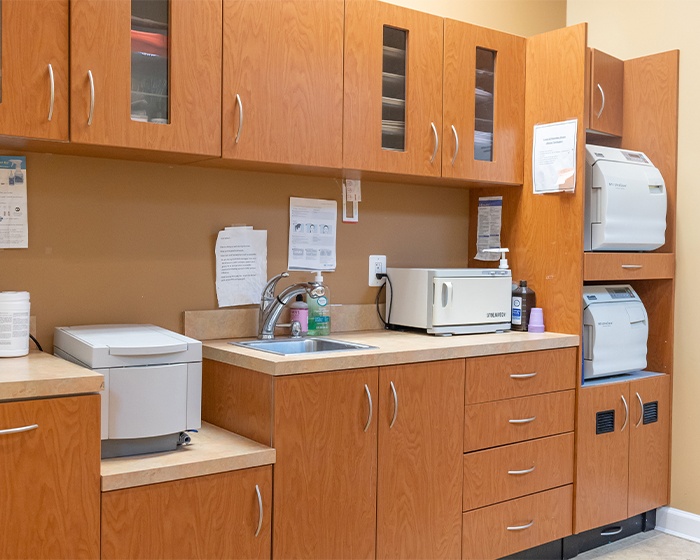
319,311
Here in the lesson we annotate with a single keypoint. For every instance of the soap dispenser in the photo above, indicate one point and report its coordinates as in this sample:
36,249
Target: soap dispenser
319,311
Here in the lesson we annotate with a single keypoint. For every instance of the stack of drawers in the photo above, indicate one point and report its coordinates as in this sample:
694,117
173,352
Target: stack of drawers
519,451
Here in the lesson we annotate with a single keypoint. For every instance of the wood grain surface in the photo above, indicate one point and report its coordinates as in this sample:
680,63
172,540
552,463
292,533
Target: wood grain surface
608,72
419,501
50,481
362,115
485,534
461,42
285,61
488,424
494,475
496,377
214,516
624,267
35,35
325,475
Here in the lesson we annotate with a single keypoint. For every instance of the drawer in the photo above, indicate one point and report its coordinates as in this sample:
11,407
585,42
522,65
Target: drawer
500,422
506,528
508,472
624,267
508,376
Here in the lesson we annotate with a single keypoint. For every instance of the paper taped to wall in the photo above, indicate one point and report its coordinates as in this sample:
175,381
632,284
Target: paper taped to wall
241,265
554,157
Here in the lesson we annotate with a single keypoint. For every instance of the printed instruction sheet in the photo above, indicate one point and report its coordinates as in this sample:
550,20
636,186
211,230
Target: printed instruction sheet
312,233
488,229
241,265
554,157
13,203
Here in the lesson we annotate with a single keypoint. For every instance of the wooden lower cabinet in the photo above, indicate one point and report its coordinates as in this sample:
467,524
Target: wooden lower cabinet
213,516
508,527
622,466
50,478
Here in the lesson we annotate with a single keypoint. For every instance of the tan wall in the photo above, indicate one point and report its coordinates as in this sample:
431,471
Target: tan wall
627,29
521,17
115,241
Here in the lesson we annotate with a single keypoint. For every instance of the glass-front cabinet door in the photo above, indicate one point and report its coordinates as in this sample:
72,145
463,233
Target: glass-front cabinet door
484,104
34,69
392,119
146,74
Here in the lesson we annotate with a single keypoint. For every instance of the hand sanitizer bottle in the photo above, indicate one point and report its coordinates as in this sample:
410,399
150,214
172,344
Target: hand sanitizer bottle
319,311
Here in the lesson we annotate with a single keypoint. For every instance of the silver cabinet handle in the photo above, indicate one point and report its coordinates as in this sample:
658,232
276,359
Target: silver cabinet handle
610,532
437,142
627,412
631,266
51,91
396,404
454,132
602,105
641,410
260,510
523,375
521,527
19,430
92,97
522,420
526,471
240,118
369,400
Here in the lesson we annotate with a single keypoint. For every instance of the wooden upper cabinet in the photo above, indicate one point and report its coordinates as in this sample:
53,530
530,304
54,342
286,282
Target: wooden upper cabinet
149,78
393,89
650,418
34,65
606,87
283,81
484,104
419,503
50,478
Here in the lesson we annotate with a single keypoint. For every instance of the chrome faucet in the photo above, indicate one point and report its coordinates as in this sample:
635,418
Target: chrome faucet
271,305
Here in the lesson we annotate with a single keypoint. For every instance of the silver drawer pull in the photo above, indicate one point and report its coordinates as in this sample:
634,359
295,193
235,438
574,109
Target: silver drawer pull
396,404
521,527
526,471
611,531
523,375
631,266
19,430
522,420
260,510
52,92
369,402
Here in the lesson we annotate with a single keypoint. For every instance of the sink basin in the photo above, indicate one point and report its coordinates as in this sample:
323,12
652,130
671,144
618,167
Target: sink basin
286,346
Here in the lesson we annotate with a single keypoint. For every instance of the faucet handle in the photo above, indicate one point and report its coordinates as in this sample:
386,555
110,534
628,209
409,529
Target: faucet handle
269,291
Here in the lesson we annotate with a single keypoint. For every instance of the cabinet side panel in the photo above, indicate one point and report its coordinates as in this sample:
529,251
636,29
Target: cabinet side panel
238,400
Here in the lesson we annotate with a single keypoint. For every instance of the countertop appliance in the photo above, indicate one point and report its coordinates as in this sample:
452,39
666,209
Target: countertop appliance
449,301
153,383
625,207
615,331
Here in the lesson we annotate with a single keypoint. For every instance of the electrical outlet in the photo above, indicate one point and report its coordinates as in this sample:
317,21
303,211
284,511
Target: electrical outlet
377,265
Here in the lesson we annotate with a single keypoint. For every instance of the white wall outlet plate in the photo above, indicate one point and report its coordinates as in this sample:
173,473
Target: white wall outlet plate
377,265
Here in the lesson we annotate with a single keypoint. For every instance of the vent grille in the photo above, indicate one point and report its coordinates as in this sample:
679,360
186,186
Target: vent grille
604,422
651,412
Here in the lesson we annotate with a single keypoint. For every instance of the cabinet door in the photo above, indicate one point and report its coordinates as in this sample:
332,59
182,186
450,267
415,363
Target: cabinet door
325,436
34,64
283,81
602,445
50,478
607,77
649,444
214,516
393,89
484,104
147,75
419,501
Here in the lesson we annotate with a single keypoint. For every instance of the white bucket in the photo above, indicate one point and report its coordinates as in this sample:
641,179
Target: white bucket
14,324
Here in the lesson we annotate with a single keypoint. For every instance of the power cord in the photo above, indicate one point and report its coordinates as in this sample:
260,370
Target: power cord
387,322
37,343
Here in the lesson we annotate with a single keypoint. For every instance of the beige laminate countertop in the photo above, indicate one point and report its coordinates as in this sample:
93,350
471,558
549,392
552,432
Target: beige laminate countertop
392,347
212,450
40,374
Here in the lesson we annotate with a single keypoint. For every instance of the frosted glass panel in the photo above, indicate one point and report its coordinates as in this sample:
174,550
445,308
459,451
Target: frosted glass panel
150,20
394,89
483,100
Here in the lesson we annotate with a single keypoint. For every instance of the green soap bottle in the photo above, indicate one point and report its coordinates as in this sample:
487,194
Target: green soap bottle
319,311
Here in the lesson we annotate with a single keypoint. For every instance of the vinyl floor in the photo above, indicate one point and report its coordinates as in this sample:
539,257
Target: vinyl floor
646,546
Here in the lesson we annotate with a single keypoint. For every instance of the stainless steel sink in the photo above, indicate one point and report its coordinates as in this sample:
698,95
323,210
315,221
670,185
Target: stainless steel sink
286,346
